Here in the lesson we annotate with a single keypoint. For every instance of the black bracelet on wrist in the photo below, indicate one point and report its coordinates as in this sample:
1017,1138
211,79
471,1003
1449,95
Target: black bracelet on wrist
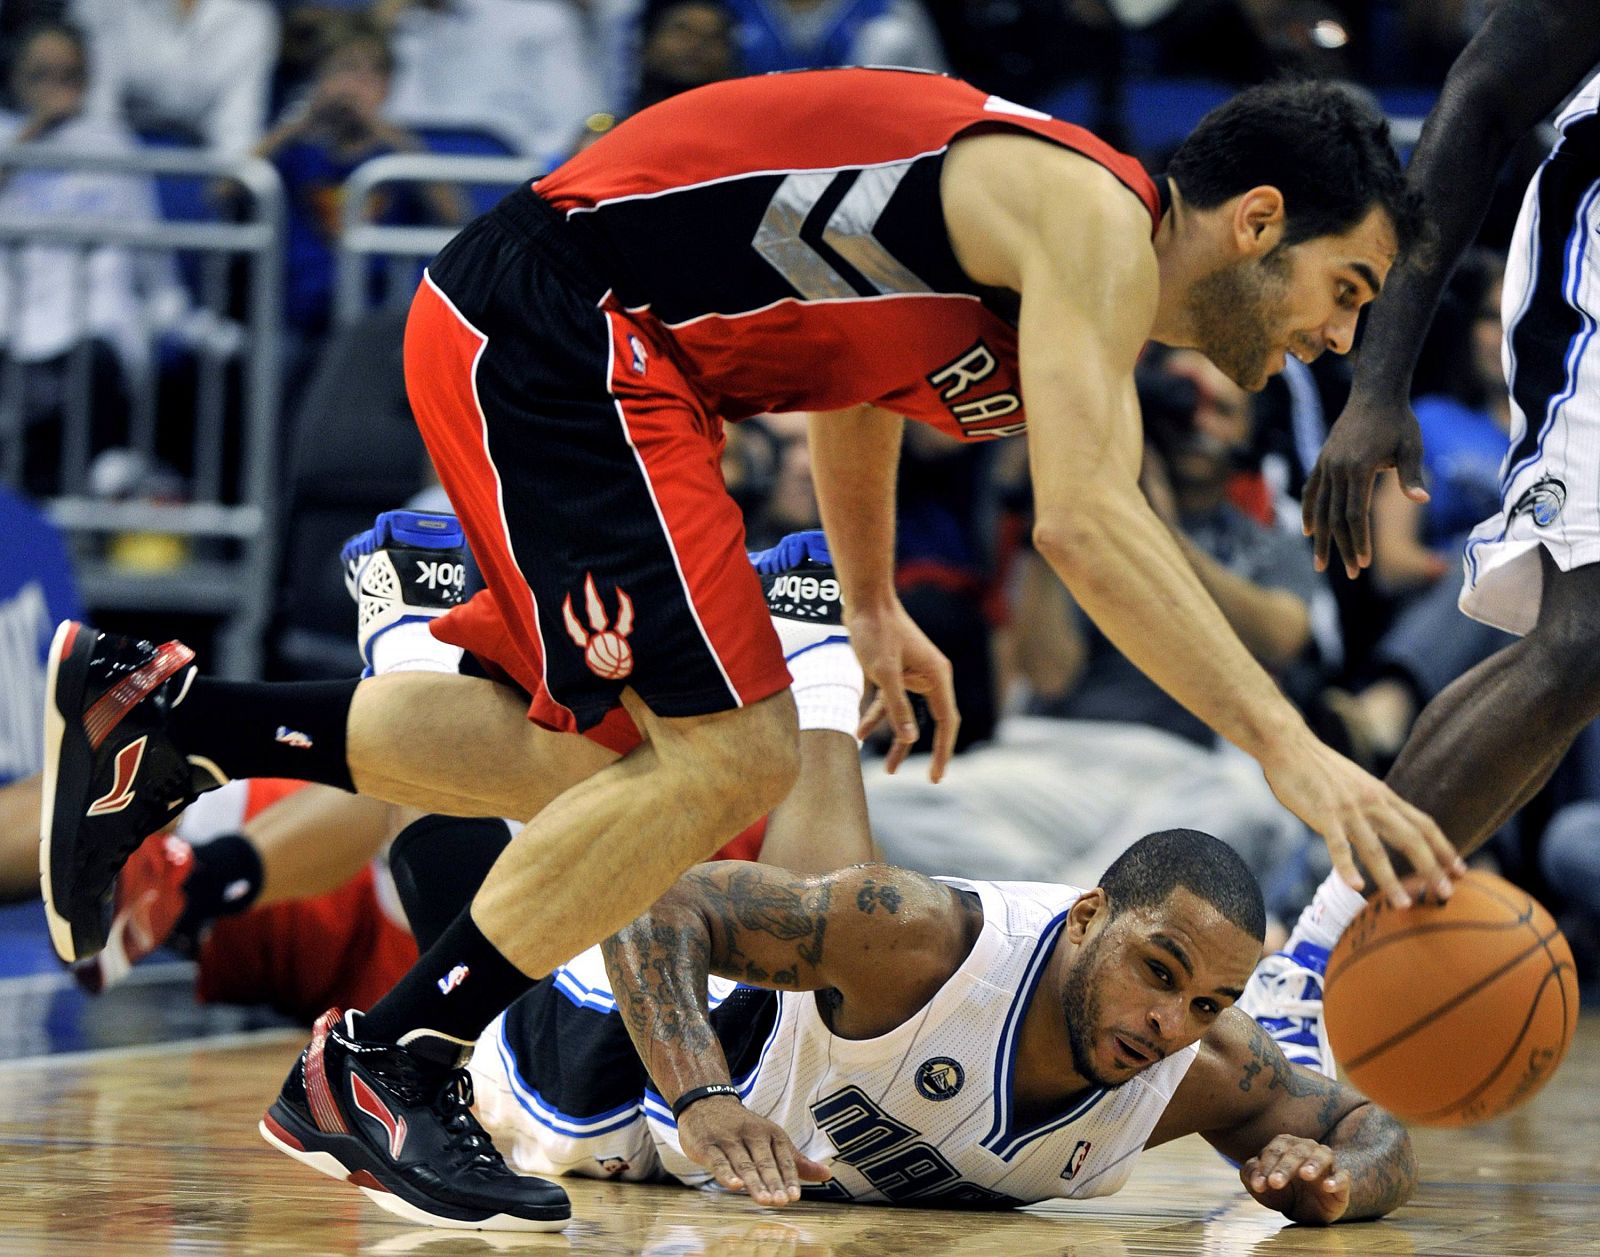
700,1093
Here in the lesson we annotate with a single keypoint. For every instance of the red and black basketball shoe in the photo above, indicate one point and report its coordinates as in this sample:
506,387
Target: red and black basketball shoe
401,1128
112,772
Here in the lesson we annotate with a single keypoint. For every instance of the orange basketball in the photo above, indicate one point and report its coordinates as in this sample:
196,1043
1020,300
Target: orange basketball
1451,1013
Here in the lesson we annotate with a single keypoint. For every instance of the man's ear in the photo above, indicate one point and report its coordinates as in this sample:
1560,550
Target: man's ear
1092,906
1258,221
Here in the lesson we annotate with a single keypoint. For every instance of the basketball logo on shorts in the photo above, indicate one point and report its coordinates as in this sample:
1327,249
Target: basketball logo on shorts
605,648
1543,501
939,1078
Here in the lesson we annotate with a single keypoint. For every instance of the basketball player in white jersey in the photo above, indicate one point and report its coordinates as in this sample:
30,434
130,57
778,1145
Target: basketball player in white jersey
1487,743
873,1035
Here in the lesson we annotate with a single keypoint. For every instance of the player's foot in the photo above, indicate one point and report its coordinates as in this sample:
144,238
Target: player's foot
149,900
1284,995
112,771
802,592
401,1128
408,568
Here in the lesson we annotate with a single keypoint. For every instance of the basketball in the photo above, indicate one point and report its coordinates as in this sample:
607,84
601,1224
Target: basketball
1451,1013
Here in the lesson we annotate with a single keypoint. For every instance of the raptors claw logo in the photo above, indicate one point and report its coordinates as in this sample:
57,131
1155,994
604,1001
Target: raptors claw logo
605,649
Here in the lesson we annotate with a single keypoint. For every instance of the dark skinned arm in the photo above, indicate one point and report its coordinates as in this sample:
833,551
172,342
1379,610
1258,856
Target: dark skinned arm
1307,1146
1525,59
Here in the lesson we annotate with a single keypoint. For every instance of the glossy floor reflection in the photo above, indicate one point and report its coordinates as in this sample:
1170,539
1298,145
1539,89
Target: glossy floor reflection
154,1151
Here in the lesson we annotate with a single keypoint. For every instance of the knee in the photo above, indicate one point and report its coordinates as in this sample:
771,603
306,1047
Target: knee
1566,659
755,754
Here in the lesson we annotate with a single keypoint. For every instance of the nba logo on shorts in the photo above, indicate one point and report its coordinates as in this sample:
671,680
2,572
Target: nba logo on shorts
1080,1154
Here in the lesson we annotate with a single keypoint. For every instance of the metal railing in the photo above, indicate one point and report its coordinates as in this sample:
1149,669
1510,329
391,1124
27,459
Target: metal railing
404,248
225,562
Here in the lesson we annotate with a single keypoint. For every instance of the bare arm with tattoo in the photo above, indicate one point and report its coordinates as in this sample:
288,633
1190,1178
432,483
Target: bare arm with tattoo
875,942
1308,1146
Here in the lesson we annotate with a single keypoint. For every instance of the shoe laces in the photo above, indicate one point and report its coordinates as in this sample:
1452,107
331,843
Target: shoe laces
1284,982
449,1097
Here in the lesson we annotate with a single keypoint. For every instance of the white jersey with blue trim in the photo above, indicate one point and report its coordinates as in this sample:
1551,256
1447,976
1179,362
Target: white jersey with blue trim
925,1113
921,1115
1585,101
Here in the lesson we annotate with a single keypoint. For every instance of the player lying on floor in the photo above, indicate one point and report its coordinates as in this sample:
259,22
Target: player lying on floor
874,1035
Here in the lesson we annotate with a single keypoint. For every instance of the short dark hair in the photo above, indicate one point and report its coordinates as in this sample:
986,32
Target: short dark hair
1155,866
1323,146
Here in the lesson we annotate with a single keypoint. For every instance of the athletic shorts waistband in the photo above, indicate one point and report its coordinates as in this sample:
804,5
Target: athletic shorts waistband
533,218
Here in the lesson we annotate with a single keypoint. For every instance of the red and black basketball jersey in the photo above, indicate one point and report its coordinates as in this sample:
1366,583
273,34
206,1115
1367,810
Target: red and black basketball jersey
787,234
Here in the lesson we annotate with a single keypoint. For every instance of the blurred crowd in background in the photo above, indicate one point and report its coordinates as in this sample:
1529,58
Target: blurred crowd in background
1067,752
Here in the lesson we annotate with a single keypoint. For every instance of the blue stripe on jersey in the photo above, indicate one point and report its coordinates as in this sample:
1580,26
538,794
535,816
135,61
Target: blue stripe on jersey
657,1109
600,998
552,1118
1001,1139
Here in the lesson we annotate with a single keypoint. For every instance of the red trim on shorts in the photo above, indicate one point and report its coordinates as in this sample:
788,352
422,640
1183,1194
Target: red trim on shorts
442,350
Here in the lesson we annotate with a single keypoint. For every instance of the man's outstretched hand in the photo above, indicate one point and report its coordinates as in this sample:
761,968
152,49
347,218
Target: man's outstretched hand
1336,510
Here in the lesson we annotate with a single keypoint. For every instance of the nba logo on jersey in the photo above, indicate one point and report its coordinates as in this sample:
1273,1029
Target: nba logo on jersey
640,358
1080,1154
939,1078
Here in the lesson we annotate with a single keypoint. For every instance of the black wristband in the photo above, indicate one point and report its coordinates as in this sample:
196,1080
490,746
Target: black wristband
701,1093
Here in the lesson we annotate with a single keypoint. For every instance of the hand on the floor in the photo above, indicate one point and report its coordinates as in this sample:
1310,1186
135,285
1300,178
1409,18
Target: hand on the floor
745,1152
1298,1178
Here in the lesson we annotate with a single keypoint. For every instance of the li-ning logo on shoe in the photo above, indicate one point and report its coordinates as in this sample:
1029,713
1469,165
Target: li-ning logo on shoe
293,737
371,1103
125,769
605,648
1543,501
453,979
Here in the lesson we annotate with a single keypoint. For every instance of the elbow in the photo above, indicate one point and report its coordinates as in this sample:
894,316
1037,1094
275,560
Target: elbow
1288,634
1062,538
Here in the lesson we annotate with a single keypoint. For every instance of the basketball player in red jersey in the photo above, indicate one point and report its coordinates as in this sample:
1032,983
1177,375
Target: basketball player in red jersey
865,244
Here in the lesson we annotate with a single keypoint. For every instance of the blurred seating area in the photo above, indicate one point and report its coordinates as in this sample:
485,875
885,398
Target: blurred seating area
213,214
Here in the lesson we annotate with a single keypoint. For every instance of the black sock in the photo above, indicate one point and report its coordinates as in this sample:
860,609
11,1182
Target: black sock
438,863
268,729
225,880
456,988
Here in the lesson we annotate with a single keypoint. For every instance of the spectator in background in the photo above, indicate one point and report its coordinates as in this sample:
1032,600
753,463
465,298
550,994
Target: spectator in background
519,69
685,43
337,128
198,68
1102,755
106,302
811,34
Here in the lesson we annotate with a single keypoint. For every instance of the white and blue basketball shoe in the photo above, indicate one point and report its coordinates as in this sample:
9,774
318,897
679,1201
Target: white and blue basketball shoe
802,591
1284,995
408,568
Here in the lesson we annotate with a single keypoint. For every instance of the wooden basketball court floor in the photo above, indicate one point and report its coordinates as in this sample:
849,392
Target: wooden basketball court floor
153,1150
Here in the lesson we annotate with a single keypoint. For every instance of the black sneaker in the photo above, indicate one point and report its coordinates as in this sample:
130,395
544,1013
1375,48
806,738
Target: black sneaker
112,773
802,592
401,1128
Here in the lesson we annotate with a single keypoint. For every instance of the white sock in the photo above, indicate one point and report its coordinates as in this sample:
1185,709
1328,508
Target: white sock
1328,914
828,684
412,647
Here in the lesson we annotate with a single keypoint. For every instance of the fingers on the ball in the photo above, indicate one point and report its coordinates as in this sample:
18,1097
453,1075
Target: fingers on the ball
1376,861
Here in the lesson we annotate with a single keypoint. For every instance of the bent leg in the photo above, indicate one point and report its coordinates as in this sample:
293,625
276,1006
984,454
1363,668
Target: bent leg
606,849
1486,744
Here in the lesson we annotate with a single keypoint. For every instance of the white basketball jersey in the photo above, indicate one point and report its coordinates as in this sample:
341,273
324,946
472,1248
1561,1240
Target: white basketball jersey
924,1113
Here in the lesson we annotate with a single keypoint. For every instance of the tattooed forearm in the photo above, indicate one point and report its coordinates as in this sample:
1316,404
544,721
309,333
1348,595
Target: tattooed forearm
658,967
1375,1150
1266,1066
